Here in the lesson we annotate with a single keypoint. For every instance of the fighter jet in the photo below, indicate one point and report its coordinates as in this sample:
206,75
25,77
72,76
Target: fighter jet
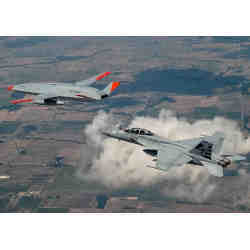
203,151
53,93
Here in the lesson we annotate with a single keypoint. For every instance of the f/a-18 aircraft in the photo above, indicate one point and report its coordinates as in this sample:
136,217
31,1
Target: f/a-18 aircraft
53,93
203,151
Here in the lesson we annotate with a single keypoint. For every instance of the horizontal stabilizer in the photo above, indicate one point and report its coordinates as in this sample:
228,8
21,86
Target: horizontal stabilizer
214,169
235,158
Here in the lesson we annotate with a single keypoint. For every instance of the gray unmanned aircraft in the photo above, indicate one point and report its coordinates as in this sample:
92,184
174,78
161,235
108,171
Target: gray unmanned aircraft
53,93
203,151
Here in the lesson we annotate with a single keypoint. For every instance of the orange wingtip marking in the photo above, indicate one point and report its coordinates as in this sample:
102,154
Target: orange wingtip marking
10,87
21,101
102,75
80,95
114,86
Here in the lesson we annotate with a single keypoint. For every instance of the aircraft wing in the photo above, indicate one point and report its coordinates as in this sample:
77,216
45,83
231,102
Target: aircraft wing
39,99
92,80
171,157
89,94
54,97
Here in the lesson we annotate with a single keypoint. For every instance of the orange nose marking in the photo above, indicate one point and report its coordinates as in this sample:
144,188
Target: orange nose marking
10,87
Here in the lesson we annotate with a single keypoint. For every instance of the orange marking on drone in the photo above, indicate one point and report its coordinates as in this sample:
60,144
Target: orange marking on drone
80,95
21,101
102,76
114,86
10,87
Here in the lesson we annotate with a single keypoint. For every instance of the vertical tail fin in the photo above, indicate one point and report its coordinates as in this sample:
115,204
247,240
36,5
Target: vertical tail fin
218,139
109,89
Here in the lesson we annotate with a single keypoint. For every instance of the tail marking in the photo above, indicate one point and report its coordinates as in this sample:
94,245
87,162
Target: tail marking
114,86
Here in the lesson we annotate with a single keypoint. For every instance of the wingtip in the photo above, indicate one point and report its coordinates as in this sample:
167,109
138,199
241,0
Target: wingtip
103,75
21,101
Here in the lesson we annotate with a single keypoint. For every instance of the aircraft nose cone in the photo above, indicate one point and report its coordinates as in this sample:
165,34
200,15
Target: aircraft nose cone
10,87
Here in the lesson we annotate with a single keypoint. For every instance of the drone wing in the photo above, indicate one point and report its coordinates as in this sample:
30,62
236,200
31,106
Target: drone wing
92,80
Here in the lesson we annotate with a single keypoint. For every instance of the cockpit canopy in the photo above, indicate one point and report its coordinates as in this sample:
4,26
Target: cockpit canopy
139,131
